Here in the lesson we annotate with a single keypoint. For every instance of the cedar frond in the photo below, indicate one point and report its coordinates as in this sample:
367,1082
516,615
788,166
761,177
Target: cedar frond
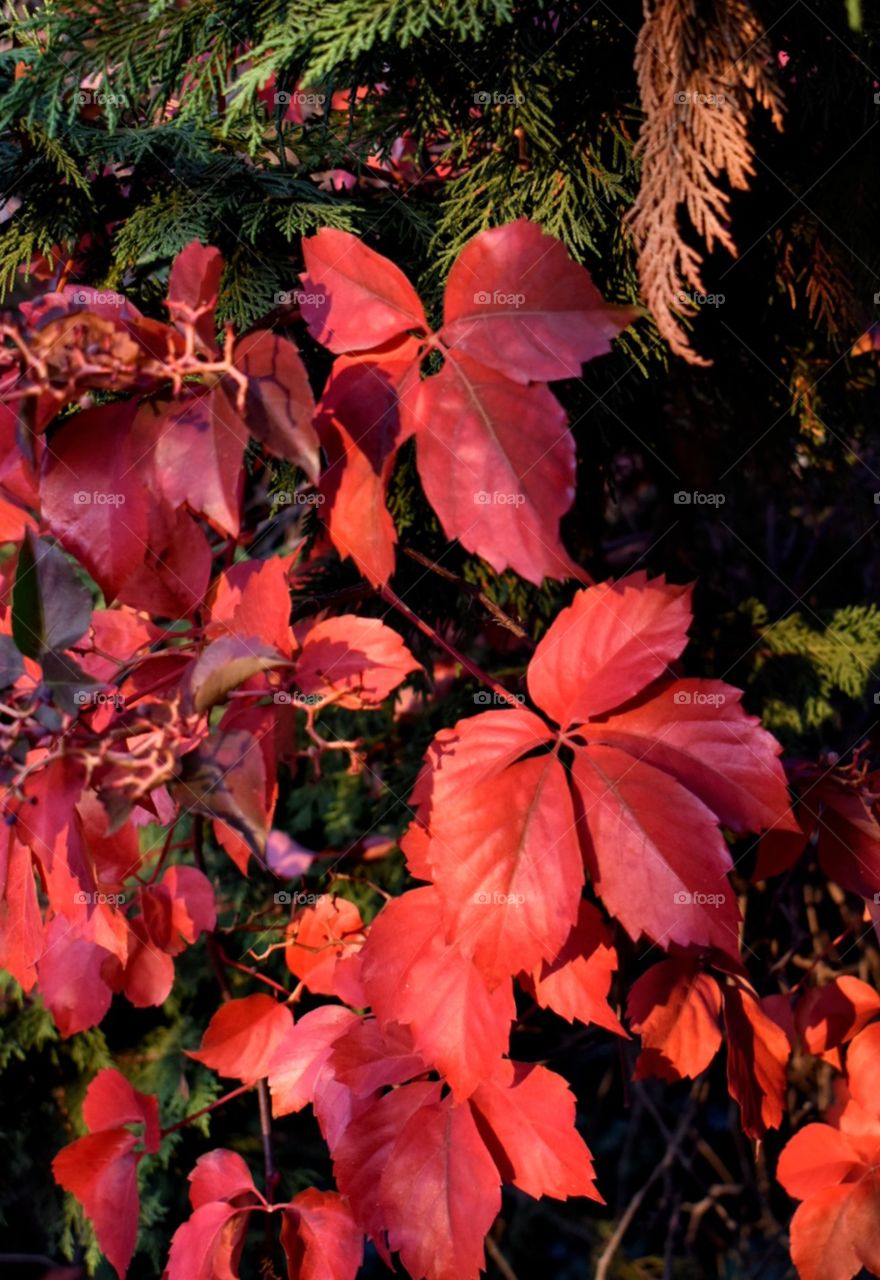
701,67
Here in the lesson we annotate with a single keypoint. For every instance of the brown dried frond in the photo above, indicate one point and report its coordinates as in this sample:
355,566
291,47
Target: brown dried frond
809,270
702,65
829,293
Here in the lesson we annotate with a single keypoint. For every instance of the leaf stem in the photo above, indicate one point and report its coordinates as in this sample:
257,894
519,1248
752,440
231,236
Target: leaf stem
212,1106
390,597
502,618
271,1171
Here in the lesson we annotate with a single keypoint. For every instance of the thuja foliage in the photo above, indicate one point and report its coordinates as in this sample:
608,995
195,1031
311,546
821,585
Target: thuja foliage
312,658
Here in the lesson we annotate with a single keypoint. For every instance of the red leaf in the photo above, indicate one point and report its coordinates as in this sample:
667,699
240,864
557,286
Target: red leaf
834,1233
655,852
367,1057
242,1036
51,794
697,731
279,405
497,465
101,1168
93,494
174,574
21,923
526,1116
320,1239
117,633
302,1055
149,974
779,850
815,1158
367,1148
415,1167
178,909
71,984
360,429
612,641
411,977
195,283
357,661
515,300
208,1245
863,1069
252,598
829,1016
849,835
198,448
221,1175
676,1009
101,1171
757,1055
111,1102
440,1193
319,937
473,751
14,521
353,299
508,868
575,985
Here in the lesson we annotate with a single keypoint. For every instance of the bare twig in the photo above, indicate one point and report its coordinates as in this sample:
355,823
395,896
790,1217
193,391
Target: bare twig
497,613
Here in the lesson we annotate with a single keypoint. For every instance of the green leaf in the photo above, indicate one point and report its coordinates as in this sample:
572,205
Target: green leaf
11,665
51,608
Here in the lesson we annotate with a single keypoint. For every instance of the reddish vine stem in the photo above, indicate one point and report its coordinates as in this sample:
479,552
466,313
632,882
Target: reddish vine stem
251,972
212,1106
272,1175
426,629
167,846
502,618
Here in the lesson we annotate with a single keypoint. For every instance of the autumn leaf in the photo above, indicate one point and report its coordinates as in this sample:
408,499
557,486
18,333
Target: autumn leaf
242,1037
